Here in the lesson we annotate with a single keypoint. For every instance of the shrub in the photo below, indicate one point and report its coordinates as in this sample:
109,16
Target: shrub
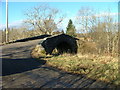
86,47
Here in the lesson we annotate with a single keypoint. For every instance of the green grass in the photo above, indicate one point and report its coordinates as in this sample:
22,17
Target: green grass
103,68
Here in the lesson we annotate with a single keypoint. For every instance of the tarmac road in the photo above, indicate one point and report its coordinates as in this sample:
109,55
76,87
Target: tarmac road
19,70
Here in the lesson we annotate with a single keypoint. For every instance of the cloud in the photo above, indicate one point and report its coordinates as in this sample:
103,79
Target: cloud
106,14
102,14
13,24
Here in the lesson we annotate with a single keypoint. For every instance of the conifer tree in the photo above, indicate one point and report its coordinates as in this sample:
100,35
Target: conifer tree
71,29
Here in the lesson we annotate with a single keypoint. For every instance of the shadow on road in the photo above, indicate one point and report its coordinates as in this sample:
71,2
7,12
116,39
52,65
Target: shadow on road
13,66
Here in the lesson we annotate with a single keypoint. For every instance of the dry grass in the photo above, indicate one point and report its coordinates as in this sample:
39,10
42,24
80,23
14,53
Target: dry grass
38,51
103,68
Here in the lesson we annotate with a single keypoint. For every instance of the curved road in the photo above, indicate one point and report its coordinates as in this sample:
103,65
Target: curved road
19,70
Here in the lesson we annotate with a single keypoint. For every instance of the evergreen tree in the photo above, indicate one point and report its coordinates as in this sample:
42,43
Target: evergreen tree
62,31
71,29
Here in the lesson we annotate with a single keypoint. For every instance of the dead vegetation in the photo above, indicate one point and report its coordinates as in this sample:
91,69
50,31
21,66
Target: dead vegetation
97,67
38,52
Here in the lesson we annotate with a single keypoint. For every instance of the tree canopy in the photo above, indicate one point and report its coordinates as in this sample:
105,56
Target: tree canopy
71,29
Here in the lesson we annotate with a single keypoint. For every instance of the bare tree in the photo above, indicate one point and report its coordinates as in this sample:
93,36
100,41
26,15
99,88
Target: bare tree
44,18
101,28
84,18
